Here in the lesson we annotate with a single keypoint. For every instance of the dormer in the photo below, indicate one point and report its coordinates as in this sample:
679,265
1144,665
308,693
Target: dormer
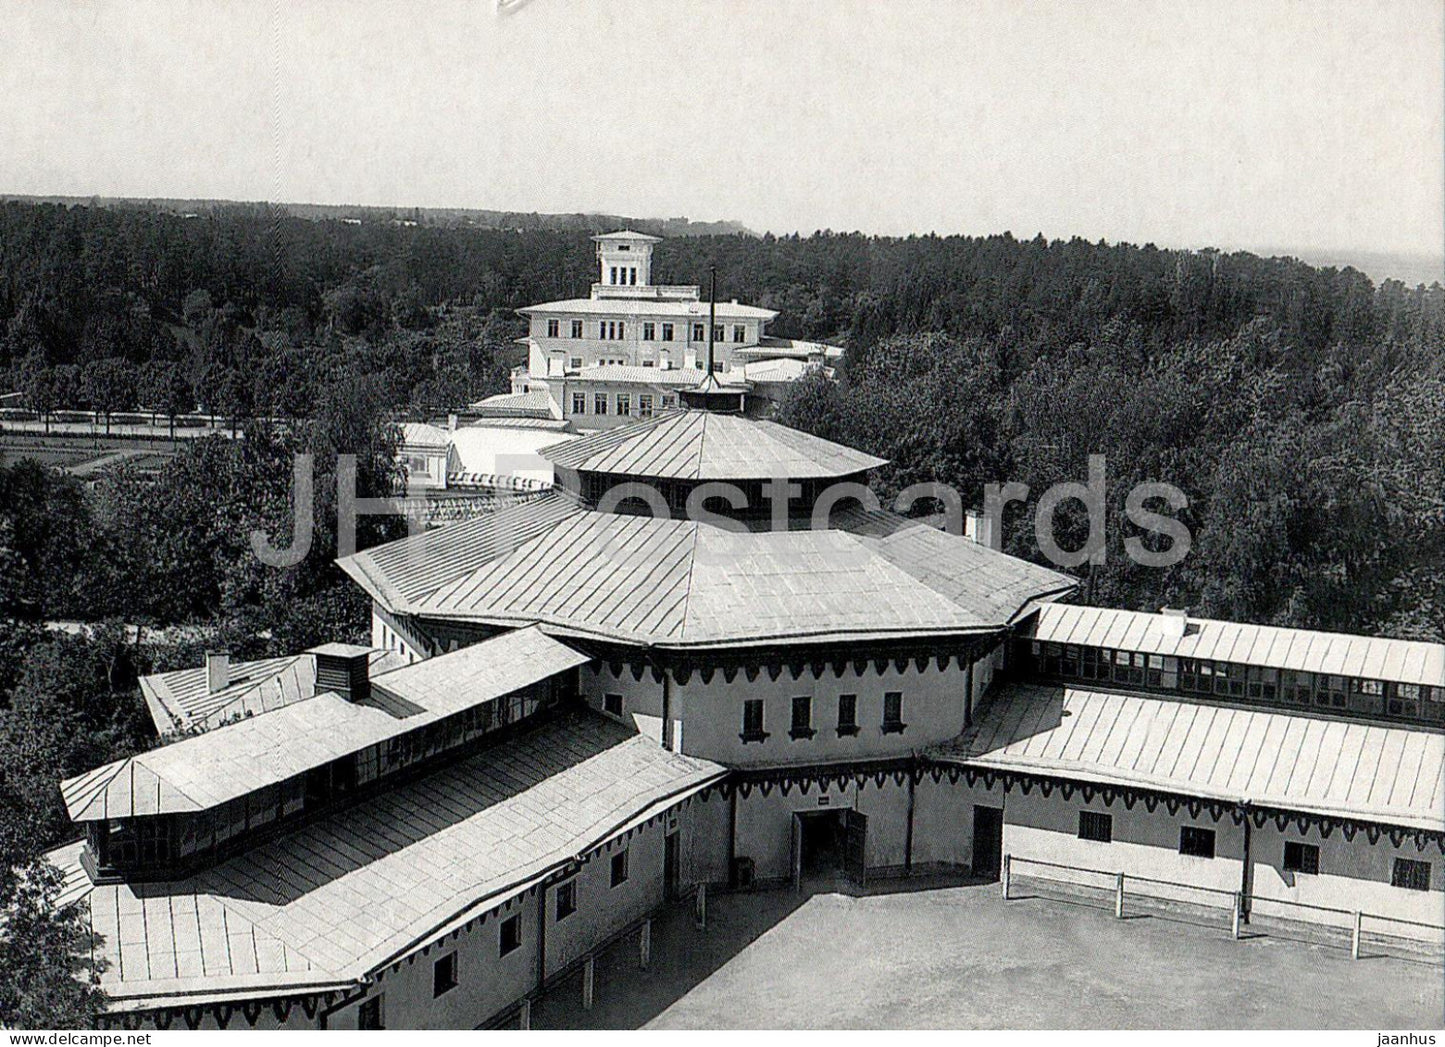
624,258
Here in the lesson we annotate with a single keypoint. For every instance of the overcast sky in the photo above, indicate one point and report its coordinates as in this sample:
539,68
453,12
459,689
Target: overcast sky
1295,125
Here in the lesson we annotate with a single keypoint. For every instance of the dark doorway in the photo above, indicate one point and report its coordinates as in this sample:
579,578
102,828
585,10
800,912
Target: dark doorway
670,867
987,841
829,842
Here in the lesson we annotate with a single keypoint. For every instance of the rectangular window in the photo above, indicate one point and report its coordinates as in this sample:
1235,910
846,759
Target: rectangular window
566,900
802,718
670,400
369,1015
893,713
624,405
621,329
667,332
1410,874
579,403
1196,842
510,935
599,403
554,328
614,275
1096,826
717,332
612,704
699,332
649,331
740,333
644,403
619,868
753,721
847,715
444,975
576,328
575,363
1301,857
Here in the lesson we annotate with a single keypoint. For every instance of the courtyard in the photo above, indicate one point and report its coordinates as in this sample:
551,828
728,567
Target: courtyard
947,956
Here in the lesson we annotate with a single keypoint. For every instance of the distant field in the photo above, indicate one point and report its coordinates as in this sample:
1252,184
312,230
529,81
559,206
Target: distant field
69,452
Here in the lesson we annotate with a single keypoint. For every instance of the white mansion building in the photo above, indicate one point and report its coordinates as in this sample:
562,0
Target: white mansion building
625,352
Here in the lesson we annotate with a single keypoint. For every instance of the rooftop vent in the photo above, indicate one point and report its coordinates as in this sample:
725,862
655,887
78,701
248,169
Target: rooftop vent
1172,622
344,669
218,670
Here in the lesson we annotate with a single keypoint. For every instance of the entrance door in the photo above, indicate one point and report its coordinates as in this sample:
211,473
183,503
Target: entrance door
987,841
855,845
670,867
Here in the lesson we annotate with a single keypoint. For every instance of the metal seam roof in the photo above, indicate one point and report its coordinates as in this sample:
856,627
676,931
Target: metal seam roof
1278,759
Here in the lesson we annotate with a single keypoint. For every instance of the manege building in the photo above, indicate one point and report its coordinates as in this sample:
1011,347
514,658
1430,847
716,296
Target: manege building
570,717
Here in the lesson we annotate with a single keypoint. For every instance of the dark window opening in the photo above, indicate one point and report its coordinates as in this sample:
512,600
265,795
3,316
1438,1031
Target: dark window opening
847,715
619,868
1410,874
444,975
612,704
1094,825
368,1015
566,900
753,721
511,935
1196,842
1301,857
893,713
802,718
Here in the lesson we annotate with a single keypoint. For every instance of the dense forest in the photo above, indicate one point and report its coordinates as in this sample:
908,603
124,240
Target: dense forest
1300,410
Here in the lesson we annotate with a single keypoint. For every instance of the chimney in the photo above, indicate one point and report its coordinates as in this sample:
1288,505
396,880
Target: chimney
218,670
1172,622
451,423
344,669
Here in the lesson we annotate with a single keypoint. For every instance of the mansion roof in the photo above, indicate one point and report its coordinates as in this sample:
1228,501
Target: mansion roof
342,896
207,770
703,445
688,309
1283,760
681,583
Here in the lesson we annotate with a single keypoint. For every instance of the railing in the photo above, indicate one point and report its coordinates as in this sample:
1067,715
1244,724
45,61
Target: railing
1239,904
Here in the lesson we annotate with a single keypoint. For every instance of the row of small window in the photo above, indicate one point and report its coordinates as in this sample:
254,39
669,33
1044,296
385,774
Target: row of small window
624,274
620,404
148,842
802,721
616,330
509,940
1198,842
1230,679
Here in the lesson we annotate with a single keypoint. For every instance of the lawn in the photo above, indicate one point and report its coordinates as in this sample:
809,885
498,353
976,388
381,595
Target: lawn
960,957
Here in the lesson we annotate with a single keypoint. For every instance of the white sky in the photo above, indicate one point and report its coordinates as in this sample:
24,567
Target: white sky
1299,125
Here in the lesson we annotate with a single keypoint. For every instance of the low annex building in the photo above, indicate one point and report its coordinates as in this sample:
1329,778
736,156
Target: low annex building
583,706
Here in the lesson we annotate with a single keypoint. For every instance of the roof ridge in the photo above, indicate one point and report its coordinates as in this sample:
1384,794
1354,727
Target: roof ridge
687,589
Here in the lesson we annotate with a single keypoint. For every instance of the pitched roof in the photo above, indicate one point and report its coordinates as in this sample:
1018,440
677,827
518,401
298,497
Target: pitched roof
1283,760
423,434
340,897
684,376
535,403
207,770
682,583
182,699
703,445
629,234
1338,654
770,348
